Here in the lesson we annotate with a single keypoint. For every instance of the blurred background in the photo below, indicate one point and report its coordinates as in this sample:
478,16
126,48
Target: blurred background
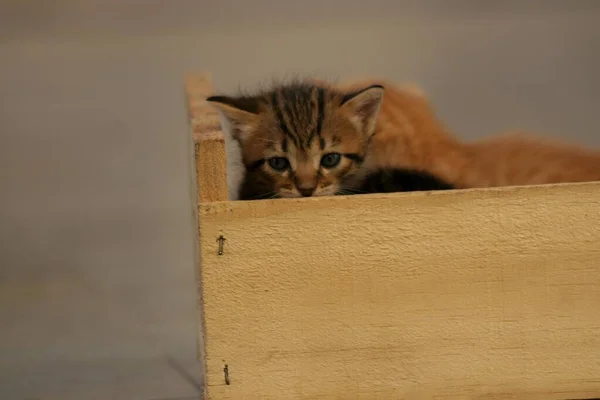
97,288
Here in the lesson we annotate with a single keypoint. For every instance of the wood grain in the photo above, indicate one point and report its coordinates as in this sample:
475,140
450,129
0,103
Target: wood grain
209,142
208,170
491,293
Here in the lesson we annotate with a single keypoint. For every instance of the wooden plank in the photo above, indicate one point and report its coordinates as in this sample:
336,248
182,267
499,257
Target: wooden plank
211,165
207,170
490,293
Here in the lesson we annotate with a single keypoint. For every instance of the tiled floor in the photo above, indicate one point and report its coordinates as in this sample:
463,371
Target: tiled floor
97,292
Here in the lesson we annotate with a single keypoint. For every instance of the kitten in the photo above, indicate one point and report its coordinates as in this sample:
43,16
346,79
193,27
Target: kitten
409,135
304,139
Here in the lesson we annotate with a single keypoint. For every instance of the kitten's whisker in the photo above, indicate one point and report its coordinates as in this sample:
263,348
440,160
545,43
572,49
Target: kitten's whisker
348,191
264,196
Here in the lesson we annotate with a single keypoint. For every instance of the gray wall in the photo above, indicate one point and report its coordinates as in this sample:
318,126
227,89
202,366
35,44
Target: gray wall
95,235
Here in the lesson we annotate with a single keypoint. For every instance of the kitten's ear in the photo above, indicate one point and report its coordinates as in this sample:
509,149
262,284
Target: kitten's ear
238,115
362,107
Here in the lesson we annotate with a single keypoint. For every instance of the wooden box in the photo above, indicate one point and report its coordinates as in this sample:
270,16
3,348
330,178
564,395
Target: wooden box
486,294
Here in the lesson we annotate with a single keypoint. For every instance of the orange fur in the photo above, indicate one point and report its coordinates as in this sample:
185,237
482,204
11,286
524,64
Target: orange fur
409,135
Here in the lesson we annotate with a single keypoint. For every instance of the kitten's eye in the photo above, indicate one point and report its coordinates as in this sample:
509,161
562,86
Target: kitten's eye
330,160
279,163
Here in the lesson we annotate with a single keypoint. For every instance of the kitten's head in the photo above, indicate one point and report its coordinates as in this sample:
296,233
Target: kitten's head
300,139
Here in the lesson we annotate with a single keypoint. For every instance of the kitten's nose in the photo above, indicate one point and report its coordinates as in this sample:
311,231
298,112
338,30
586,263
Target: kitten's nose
306,191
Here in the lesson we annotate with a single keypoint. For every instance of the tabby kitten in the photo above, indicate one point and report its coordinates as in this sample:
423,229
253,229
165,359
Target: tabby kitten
300,139
306,139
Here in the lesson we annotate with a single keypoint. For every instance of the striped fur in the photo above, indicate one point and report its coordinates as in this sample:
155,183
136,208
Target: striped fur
306,124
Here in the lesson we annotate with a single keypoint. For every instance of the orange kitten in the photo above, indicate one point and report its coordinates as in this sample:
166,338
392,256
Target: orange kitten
409,135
